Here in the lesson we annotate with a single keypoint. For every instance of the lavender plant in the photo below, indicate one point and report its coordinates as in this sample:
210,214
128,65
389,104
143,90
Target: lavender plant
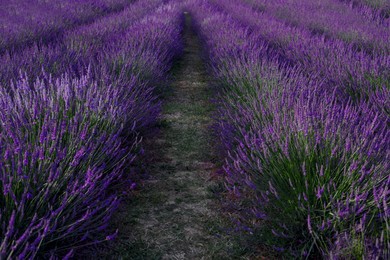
61,151
308,170
71,125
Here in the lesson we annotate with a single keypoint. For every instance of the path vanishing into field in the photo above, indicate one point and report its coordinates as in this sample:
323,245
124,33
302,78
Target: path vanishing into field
175,214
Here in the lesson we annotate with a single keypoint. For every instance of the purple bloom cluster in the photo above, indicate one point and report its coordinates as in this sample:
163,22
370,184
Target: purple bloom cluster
70,125
307,145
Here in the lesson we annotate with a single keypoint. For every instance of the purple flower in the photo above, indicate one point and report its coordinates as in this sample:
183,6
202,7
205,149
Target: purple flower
112,236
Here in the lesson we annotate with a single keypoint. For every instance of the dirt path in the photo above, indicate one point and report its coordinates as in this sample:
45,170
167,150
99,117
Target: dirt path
175,214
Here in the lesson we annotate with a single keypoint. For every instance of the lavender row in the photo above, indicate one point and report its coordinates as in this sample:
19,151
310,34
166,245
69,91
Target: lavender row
67,141
354,74
24,22
377,10
78,48
331,19
306,171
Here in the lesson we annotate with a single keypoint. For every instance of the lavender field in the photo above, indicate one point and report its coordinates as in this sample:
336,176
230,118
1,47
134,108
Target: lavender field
196,129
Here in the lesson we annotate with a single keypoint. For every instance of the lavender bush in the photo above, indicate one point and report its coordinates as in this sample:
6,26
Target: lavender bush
71,124
61,152
308,169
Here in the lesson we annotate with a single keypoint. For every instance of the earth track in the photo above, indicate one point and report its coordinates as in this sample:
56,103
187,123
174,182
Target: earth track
175,214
